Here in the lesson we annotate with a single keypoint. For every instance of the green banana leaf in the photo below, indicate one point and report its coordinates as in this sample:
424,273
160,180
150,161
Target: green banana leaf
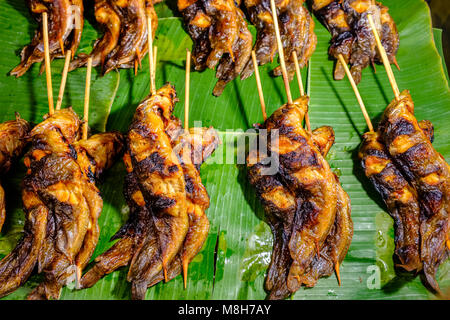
233,261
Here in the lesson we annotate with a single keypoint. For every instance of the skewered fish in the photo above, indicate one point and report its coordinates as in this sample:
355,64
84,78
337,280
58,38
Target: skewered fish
307,209
401,199
221,37
62,205
428,172
124,42
351,33
296,31
65,25
12,143
167,225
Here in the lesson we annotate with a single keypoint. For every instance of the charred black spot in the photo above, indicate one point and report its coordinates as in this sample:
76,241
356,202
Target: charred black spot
72,152
161,203
189,187
153,163
418,152
402,127
173,168
90,174
433,200
297,159
284,18
377,153
308,214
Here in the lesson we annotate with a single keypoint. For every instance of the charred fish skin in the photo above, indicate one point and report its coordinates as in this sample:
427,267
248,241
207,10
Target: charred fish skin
197,23
428,172
12,142
65,25
308,175
132,45
232,64
108,17
296,31
62,205
399,196
337,243
283,204
280,206
75,205
220,35
297,34
331,14
16,267
351,33
160,179
167,225
124,42
155,192
260,15
192,150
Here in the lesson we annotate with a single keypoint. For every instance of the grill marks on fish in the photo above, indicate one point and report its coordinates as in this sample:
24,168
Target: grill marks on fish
65,25
167,225
221,38
351,33
426,170
296,31
399,196
124,42
61,203
307,210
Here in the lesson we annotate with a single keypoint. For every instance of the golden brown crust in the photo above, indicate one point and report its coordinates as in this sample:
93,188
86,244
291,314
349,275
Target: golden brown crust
296,31
294,209
62,205
351,35
63,33
167,225
428,173
221,37
399,196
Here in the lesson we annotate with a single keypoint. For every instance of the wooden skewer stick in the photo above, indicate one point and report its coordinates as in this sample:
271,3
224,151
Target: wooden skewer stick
299,75
150,55
63,79
280,51
384,57
155,53
300,87
87,91
48,73
186,94
355,89
258,85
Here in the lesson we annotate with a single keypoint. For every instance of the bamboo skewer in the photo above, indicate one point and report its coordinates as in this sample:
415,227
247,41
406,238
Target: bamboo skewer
155,53
48,73
298,73
258,85
185,264
384,57
300,87
150,55
87,91
280,51
355,89
186,94
63,79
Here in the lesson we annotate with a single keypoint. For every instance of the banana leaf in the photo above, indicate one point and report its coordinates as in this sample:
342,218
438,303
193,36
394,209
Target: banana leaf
233,262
